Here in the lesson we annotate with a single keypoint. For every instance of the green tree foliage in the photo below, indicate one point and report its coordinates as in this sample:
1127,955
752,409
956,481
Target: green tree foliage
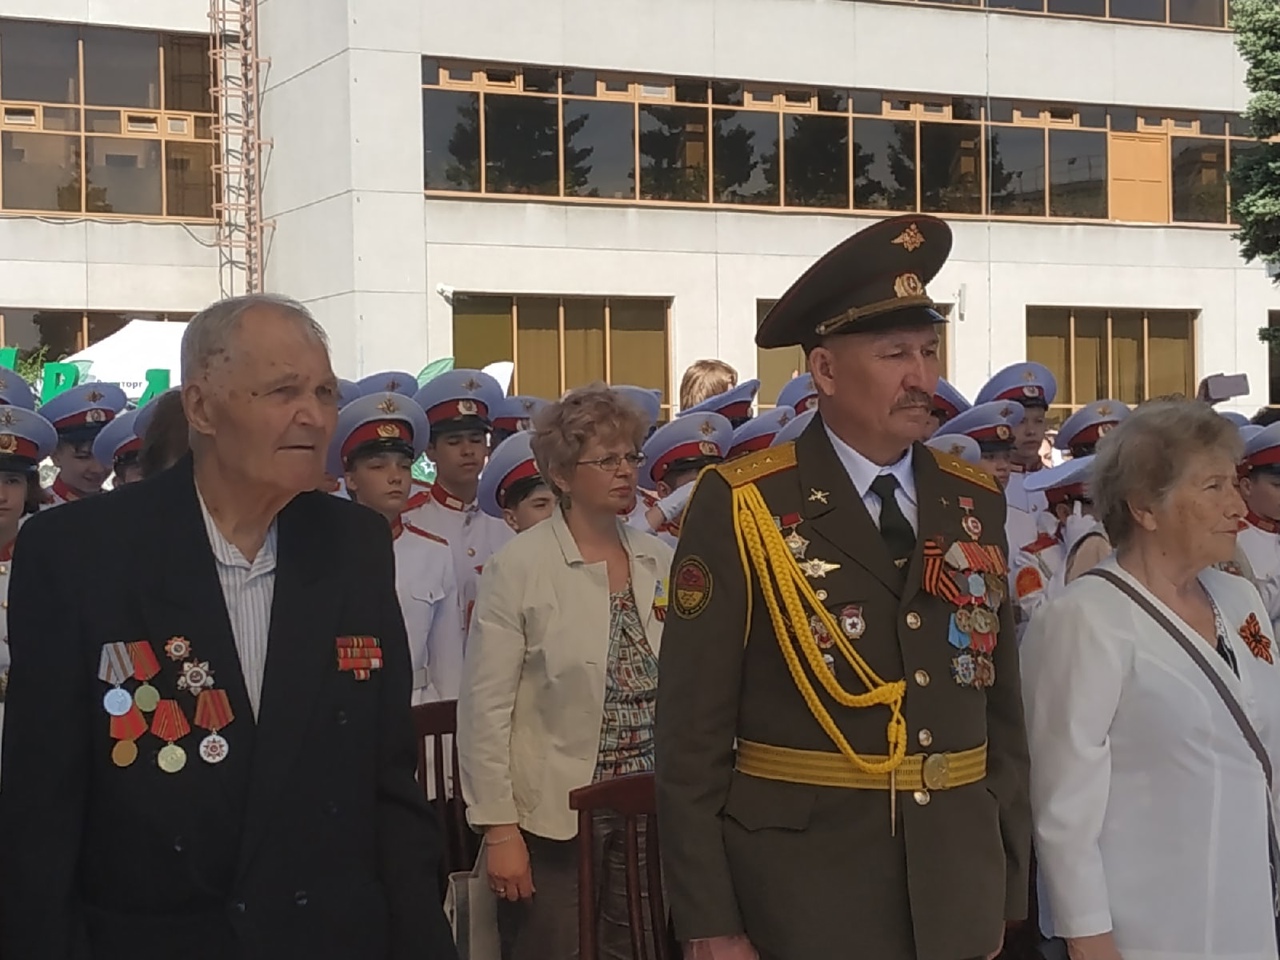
1255,175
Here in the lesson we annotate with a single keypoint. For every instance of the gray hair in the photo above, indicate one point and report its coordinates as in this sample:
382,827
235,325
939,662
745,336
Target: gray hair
209,332
1142,460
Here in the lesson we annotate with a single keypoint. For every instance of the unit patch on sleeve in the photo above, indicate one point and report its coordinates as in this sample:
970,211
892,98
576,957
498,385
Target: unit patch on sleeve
691,588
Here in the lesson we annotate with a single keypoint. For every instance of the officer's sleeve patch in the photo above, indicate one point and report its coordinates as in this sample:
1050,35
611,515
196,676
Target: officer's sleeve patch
1027,582
692,588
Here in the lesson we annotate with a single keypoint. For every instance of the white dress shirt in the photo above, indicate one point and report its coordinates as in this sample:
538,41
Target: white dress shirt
248,589
862,472
1262,549
1149,807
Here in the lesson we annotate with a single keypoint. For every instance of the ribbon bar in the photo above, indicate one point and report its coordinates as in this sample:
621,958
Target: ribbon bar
145,664
213,710
169,722
359,663
130,726
358,643
115,666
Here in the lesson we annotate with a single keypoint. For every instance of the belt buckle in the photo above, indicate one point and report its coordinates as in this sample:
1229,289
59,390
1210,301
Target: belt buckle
936,771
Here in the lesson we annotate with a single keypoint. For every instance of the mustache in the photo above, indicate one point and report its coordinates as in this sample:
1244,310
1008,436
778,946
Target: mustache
914,398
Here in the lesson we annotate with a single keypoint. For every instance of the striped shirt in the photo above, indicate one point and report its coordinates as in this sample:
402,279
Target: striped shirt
248,589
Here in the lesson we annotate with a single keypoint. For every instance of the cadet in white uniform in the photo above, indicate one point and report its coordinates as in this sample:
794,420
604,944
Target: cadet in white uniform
957,445
799,394
648,402
733,404
117,446
511,489
26,438
79,415
1033,386
459,406
674,456
758,432
1080,432
991,426
1259,538
377,439
513,415
948,403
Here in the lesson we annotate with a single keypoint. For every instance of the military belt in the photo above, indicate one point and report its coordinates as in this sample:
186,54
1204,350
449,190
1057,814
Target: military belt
817,768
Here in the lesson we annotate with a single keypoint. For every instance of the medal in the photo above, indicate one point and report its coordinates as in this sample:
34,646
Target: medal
851,622
145,666
964,620
820,632
977,585
170,724
796,544
972,526
124,753
984,621
196,677
213,713
177,648
115,666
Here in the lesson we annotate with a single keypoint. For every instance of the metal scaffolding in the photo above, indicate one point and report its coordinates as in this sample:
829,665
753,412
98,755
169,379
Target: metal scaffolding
238,168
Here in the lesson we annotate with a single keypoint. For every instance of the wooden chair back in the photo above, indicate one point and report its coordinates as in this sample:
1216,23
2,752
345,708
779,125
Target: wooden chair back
437,723
634,799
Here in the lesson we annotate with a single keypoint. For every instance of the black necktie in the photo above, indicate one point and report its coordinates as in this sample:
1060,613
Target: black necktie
899,538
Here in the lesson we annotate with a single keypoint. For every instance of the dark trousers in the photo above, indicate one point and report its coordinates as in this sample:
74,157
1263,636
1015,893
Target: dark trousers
546,927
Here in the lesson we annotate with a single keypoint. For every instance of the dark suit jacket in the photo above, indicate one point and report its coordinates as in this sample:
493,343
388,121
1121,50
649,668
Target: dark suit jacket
814,871
311,839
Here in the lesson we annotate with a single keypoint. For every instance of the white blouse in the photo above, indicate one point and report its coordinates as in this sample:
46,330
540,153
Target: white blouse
1150,809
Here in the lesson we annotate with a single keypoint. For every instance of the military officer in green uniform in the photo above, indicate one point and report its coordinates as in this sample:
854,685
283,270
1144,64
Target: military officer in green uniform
841,760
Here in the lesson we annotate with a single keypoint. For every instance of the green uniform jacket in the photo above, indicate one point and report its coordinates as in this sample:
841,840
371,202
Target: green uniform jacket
810,872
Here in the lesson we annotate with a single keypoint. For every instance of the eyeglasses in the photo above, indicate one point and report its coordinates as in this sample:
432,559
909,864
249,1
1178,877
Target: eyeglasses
613,462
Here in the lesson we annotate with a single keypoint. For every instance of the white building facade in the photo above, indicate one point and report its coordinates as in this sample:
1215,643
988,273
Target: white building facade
614,190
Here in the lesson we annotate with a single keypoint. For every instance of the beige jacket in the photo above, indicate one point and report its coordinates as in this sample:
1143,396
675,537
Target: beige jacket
533,680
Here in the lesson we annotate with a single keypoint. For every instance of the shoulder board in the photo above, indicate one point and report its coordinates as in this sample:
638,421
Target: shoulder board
965,470
1042,542
417,500
756,465
426,533
647,498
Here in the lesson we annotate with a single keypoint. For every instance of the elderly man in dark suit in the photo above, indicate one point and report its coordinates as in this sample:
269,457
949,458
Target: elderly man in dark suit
208,751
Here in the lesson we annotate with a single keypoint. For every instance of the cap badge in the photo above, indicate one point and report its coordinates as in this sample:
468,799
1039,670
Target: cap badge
388,431
709,449
957,449
7,418
1103,411
393,385
1028,375
8,443
95,415
1104,429
910,239
4,384
784,419
527,405
468,408
1006,411
908,285
93,396
1030,391
388,406
1003,431
706,429
522,423
472,385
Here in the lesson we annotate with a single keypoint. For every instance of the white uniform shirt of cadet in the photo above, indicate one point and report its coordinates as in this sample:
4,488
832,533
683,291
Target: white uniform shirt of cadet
1262,549
1021,523
248,589
472,535
428,590
1149,807
862,472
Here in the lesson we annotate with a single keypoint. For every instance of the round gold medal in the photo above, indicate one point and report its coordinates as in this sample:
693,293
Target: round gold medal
146,697
964,620
171,758
984,621
124,753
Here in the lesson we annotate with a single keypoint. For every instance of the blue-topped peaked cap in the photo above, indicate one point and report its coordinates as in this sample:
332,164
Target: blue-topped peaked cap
957,445
1063,483
646,399
348,390
1081,431
1239,419
510,466
147,412
16,392
686,443
989,424
118,444
79,413
948,402
1031,384
1249,430
389,381
26,438
794,428
1262,450
758,432
733,404
514,414
460,400
875,280
799,393
375,423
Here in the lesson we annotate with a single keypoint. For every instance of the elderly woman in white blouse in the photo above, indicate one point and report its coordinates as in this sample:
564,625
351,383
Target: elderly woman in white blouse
1151,809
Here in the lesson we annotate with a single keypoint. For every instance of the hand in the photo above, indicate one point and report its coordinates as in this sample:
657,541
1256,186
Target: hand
1099,947
510,875
1047,523
1077,526
736,947
673,504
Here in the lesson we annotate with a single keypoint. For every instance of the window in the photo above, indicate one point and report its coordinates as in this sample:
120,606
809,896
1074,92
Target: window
541,132
1129,355
105,121
777,366
1273,364
60,333
558,343
1192,13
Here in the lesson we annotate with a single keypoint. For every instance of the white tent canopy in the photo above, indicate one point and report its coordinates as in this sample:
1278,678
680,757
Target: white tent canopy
127,355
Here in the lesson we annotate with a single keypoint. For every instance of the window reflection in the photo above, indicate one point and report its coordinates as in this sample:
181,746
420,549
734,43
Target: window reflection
599,149
1079,8
122,176
1150,10
39,61
746,157
451,140
673,153
1077,174
1015,171
57,332
187,74
1199,180
583,341
884,165
638,343
40,172
817,161
121,68
950,158
522,149
189,180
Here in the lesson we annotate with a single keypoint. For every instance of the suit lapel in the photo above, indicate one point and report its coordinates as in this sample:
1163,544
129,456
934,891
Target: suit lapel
300,653
833,509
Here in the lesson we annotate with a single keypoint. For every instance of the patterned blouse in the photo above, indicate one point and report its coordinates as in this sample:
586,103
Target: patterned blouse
630,692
